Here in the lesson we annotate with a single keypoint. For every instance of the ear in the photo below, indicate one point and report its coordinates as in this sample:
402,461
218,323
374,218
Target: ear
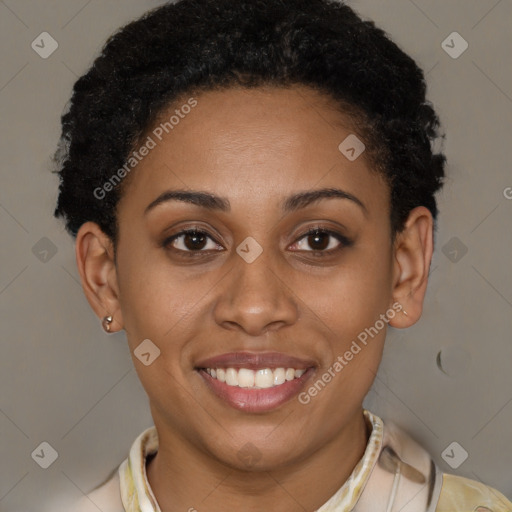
412,256
96,264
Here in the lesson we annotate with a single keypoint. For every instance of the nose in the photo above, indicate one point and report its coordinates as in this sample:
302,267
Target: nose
255,298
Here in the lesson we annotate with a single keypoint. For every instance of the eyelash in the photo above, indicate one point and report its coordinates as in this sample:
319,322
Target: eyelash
344,241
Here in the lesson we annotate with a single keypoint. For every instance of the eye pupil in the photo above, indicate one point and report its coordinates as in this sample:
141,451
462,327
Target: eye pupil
195,237
313,240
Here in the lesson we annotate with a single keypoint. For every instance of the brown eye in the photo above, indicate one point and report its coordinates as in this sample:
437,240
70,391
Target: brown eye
318,241
322,241
190,241
194,241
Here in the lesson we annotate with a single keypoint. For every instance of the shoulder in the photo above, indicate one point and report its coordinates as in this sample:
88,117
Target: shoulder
105,497
462,494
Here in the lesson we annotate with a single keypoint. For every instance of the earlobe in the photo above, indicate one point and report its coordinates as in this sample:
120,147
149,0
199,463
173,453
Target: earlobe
412,256
97,269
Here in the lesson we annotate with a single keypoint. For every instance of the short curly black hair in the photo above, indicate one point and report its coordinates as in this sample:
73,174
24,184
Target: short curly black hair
197,45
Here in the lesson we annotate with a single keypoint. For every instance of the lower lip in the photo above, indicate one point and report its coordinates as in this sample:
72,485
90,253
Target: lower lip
254,399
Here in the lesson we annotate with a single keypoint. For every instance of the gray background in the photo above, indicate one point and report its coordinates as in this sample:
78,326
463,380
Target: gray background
65,382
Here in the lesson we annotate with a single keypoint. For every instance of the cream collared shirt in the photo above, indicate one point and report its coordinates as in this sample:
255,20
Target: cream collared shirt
129,490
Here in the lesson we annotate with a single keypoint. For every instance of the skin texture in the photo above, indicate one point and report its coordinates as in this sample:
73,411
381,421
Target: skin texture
255,148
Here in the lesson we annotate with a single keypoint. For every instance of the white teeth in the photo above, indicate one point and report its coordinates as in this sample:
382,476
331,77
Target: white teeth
279,376
231,377
247,378
264,378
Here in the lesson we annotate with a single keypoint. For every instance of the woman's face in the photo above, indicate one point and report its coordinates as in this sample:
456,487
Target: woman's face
251,283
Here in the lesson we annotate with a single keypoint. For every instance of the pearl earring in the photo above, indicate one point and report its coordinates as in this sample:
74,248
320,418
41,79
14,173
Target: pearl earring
106,323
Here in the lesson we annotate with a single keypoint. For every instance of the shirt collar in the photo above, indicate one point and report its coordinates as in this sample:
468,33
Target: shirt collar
137,495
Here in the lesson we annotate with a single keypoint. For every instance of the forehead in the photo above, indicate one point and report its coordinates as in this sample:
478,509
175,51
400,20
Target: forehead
253,146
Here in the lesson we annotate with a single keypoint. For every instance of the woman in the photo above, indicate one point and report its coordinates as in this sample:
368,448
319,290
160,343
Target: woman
251,188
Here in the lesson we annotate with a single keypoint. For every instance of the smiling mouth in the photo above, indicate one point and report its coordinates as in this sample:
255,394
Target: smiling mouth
255,382
255,390
254,379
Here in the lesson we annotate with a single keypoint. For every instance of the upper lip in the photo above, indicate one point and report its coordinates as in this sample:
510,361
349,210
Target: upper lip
255,360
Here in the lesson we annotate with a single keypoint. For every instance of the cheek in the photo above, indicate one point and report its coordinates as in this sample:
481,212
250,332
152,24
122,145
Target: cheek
350,305
157,303
153,296
354,296
161,301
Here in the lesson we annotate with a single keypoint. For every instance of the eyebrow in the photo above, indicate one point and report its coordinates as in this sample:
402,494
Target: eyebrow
290,204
